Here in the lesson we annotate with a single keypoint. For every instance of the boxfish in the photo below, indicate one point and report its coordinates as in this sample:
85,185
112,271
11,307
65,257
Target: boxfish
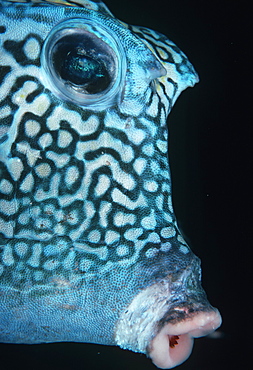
90,249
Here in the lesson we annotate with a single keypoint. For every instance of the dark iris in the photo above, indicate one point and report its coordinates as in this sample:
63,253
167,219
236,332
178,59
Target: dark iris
84,71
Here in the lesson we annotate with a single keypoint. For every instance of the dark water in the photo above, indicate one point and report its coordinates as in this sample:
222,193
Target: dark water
211,164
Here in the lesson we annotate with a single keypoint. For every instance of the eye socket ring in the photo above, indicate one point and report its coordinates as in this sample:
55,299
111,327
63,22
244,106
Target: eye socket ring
84,62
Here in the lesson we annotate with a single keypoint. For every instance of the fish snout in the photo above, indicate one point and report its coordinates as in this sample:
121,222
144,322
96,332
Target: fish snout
189,316
163,319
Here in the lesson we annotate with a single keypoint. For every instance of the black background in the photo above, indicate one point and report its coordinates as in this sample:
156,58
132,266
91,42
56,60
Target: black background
210,155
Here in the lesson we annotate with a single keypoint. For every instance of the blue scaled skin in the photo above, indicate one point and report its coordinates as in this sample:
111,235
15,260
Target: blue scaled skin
89,246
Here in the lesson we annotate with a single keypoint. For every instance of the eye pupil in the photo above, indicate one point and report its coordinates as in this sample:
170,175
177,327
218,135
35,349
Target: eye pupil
84,71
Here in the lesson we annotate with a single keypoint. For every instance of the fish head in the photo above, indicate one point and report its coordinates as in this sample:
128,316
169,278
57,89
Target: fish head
85,182
84,95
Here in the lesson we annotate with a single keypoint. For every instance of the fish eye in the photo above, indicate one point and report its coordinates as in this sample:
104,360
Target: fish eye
84,62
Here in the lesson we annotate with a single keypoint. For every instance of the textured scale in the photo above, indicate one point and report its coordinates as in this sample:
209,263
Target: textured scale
89,246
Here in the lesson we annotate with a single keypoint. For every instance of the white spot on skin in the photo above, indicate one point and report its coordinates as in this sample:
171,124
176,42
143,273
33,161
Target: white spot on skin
5,187
168,232
136,136
133,234
104,211
43,170
7,258
153,238
40,105
149,222
27,183
184,249
94,236
45,140
32,49
24,218
151,252
7,228
151,186
148,149
102,185
21,249
7,207
165,247
89,208
53,249
122,250
26,201
15,167
111,237
35,211
139,165
32,128
72,175
162,146
64,138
